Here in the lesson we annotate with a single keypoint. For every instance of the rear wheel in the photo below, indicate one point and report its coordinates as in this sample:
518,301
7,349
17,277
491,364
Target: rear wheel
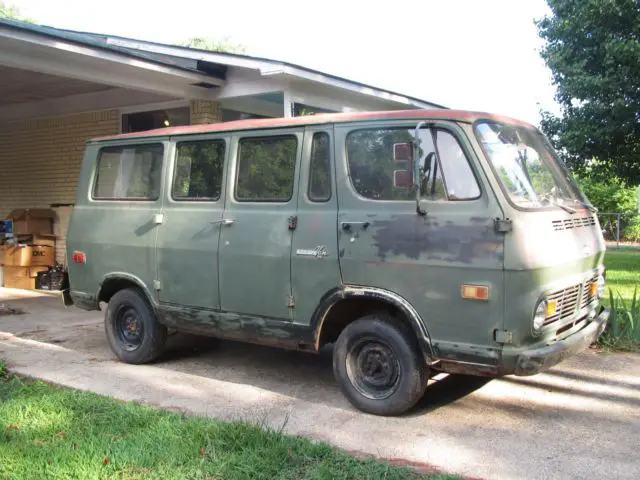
378,365
133,332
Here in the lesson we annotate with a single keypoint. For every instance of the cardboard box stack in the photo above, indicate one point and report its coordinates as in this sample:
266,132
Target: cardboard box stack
30,250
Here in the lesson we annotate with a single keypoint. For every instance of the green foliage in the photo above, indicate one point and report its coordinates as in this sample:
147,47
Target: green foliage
12,12
608,193
3,369
632,231
623,329
593,50
223,44
611,194
50,432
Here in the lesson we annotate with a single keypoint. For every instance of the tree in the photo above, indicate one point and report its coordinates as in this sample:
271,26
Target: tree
593,50
12,12
214,44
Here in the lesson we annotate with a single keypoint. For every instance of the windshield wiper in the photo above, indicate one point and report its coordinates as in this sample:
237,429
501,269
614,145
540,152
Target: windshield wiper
587,205
566,208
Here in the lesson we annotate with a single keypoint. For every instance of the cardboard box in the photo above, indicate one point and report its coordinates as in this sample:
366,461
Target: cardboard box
47,240
20,283
27,256
23,272
32,220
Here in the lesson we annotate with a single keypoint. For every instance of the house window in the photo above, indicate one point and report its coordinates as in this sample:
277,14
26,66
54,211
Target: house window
141,121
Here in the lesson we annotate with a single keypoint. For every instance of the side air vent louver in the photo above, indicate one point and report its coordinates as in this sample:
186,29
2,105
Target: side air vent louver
570,223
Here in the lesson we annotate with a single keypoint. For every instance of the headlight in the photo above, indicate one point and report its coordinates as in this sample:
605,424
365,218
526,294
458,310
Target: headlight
600,287
539,316
545,309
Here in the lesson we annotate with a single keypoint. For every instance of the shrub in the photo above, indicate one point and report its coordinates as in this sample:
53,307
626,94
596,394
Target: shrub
632,230
623,328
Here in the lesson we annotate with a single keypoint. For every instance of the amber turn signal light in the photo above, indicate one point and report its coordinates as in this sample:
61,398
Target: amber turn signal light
475,292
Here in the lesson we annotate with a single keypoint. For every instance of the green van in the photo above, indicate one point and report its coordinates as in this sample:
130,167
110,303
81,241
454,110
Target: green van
414,241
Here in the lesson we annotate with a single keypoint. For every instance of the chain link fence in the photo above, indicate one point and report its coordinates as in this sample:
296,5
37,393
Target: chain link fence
615,225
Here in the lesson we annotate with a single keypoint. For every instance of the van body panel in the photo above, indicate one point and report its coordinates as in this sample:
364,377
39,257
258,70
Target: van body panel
115,235
428,258
255,250
314,256
187,243
550,252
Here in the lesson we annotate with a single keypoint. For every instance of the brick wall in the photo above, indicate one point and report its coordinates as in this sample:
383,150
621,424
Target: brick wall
40,161
204,111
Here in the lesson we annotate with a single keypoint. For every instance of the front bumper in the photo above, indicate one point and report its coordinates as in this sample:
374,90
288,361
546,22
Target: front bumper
533,361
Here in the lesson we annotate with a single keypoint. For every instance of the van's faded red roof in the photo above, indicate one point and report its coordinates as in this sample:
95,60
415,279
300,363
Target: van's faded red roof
460,115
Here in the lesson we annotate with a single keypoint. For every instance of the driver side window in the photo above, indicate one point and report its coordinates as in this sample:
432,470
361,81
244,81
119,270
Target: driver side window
370,155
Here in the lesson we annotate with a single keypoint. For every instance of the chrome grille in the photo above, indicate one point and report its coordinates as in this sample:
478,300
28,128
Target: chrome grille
587,298
567,299
570,223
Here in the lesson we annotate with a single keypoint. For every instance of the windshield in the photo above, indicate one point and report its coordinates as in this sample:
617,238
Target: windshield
527,166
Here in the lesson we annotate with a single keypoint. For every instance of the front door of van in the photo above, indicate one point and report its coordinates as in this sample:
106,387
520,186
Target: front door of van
259,221
425,258
187,242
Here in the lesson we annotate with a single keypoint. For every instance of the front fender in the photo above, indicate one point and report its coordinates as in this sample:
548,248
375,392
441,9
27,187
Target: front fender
355,291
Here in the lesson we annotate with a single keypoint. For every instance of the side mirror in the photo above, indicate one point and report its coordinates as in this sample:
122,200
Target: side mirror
403,158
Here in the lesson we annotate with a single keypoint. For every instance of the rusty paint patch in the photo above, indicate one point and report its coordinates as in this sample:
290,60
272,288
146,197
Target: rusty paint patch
453,115
413,236
233,326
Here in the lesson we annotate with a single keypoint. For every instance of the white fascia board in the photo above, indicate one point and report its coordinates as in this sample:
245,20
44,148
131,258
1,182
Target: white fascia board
353,87
213,57
270,68
12,38
243,88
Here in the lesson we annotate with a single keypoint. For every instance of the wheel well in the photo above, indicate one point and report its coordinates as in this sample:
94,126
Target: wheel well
113,285
348,310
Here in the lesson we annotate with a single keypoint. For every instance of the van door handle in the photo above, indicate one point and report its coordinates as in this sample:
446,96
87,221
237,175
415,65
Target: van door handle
225,221
347,225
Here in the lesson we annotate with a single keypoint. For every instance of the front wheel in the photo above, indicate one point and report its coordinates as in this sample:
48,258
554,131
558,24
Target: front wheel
378,366
133,332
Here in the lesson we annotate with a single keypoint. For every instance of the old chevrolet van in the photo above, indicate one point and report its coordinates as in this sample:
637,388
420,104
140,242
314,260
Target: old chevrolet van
413,241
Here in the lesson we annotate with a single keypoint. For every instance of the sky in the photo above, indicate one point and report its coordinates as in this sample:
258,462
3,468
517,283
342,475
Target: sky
467,54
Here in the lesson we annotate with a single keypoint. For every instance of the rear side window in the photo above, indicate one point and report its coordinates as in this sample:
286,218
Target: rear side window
266,167
198,171
130,172
320,169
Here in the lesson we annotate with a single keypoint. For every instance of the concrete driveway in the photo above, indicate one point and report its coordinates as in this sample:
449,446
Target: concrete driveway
579,420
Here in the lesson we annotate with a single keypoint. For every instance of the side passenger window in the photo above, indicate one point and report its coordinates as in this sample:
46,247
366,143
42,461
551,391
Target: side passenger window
130,172
198,171
320,168
266,167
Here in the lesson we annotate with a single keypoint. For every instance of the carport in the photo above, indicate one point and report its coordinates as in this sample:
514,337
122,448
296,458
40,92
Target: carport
60,88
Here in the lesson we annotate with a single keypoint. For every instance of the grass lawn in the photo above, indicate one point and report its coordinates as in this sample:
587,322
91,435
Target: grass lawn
623,271
49,432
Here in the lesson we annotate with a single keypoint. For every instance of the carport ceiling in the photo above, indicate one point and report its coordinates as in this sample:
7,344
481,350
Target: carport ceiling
22,86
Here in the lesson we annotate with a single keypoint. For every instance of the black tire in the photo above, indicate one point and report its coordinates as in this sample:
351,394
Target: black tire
133,332
378,365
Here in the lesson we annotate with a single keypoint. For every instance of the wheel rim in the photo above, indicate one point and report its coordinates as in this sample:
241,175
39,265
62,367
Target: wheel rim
129,328
373,368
